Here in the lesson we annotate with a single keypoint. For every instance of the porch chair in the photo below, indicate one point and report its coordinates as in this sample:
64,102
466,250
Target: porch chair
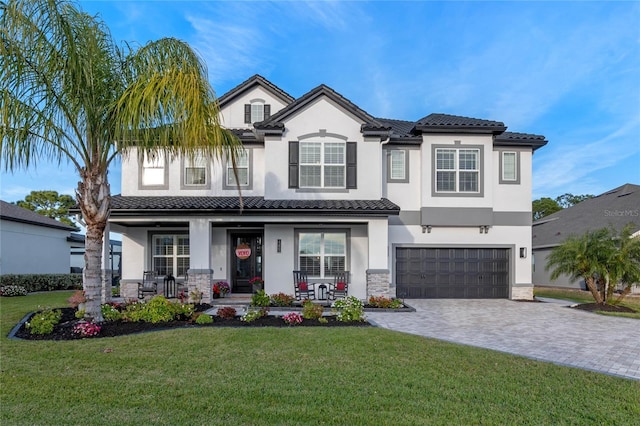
149,284
340,286
303,290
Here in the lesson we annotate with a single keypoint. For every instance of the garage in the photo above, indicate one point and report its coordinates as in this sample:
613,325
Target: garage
455,273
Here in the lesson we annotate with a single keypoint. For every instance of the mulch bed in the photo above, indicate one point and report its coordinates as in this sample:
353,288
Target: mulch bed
64,330
592,307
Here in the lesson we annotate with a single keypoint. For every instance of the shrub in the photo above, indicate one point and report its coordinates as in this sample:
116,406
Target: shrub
44,321
80,313
111,312
196,296
43,282
227,312
254,314
384,302
349,309
310,310
13,290
86,329
260,299
204,319
158,309
282,299
292,318
76,299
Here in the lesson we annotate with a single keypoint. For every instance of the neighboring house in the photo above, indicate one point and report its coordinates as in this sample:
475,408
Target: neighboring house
438,207
616,209
31,243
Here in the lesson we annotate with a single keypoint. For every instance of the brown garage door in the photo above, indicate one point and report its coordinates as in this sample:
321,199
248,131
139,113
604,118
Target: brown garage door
461,273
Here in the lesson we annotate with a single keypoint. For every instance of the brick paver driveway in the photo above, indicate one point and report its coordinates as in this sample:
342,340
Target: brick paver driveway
549,331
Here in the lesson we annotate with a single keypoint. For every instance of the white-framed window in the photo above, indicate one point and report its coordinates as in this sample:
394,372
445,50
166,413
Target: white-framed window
257,112
322,164
398,165
153,169
170,254
242,167
322,254
457,170
195,170
509,167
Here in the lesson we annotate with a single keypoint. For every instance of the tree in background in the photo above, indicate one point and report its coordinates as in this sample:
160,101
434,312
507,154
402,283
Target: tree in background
545,206
602,258
50,204
69,92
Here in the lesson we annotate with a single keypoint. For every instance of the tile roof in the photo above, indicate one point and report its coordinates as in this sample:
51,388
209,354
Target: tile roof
15,213
615,208
255,80
440,123
121,205
526,139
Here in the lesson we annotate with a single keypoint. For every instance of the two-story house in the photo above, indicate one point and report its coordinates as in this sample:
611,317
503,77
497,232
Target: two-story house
439,207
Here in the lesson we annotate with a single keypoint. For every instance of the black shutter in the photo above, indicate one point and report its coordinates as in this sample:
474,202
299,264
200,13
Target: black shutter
247,113
293,164
352,165
267,111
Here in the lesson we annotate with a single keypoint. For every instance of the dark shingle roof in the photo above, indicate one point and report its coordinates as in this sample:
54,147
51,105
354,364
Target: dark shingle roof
526,139
615,208
256,80
18,214
121,205
444,123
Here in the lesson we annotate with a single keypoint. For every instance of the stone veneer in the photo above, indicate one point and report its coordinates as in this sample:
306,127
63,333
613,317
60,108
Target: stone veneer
201,279
379,284
522,292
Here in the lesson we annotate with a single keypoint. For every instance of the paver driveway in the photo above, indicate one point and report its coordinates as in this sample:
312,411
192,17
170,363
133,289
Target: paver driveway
549,331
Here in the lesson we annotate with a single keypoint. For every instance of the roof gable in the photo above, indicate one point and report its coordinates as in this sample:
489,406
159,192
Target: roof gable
249,84
15,213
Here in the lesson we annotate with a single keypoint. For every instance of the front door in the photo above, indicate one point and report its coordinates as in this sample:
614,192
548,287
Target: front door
246,260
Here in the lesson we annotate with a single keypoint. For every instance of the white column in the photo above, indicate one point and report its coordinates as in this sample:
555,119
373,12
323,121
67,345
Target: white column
199,244
379,243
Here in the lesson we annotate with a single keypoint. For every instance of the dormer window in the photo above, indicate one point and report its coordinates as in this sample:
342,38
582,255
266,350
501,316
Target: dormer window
256,111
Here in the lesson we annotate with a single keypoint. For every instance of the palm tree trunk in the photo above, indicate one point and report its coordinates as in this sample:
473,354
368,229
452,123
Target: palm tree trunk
93,198
591,285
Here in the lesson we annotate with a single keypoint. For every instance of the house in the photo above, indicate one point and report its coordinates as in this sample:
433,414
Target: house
616,209
31,243
438,207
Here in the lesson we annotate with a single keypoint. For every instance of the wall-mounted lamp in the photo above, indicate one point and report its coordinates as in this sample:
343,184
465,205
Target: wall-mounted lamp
482,229
426,228
279,245
523,252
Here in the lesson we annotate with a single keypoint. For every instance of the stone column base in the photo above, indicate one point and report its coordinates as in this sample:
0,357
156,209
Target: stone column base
201,280
379,284
522,292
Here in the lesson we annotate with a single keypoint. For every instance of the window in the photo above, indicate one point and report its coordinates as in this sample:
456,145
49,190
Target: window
256,111
170,254
457,170
195,171
322,254
243,167
153,170
398,165
509,165
322,165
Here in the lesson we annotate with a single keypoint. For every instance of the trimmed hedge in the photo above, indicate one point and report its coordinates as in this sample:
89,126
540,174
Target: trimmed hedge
43,282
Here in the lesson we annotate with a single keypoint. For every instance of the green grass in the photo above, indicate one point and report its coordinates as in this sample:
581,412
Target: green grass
290,376
580,296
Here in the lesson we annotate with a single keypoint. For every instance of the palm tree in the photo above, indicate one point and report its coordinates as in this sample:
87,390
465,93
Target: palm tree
70,93
602,258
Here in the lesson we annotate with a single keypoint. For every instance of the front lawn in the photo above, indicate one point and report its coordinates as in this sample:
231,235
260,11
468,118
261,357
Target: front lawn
284,376
580,296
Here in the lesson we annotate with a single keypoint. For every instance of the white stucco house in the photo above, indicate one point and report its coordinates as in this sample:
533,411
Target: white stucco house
437,207
31,243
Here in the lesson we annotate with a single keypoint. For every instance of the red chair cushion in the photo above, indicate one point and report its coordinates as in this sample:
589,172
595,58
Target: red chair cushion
303,286
341,286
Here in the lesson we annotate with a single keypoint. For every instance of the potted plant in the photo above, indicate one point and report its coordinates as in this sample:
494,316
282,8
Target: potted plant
216,291
257,283
224,288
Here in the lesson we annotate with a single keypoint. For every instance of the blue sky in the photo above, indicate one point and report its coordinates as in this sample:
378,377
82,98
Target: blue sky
566,70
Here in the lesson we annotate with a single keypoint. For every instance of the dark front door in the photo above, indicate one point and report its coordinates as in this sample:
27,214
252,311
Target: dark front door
464,273
246,260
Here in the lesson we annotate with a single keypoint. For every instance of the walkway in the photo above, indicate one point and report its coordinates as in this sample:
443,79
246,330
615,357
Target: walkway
549,332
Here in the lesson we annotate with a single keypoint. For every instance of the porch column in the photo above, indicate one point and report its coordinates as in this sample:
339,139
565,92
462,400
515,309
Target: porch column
200,271
378,274
106,266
